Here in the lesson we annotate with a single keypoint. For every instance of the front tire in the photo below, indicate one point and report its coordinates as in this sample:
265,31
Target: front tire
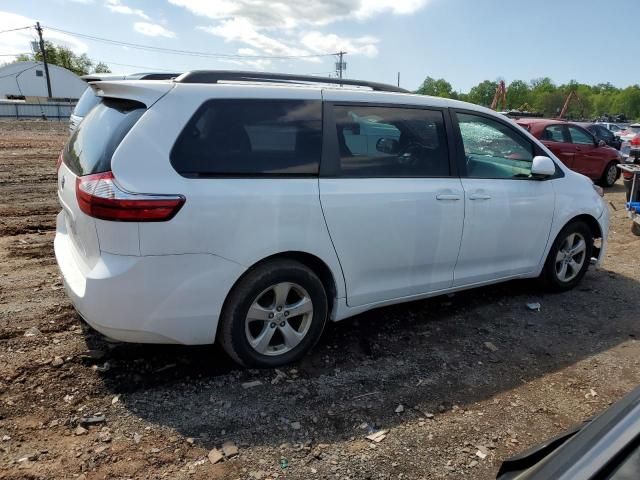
274,315
610,175
569,257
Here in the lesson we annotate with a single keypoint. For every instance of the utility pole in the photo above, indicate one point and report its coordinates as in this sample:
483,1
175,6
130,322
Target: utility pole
341,66
44,58
398,79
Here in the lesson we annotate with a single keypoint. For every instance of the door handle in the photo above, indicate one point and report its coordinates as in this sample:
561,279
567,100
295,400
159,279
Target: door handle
479,196
447,196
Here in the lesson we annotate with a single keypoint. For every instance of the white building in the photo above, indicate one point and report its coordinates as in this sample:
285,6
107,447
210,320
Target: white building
21,80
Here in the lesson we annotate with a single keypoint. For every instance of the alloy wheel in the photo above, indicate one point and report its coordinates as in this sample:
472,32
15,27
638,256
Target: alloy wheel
571,257
279,318
612,175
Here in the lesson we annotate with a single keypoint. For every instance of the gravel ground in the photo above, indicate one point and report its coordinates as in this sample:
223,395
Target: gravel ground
456,384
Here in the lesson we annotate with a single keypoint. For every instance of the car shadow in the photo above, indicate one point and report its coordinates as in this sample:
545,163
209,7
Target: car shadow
428,354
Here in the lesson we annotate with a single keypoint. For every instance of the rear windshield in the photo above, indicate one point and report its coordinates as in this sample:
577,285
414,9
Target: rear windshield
87,101
251,137
91,147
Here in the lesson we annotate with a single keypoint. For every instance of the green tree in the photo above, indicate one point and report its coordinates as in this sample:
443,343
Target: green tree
483,93
101,68
436,88
518,93
66,58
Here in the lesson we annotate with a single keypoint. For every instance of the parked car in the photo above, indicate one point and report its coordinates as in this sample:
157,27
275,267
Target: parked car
577,148
244,208
615,128
602,133
89,99
605,447
630,132
634,147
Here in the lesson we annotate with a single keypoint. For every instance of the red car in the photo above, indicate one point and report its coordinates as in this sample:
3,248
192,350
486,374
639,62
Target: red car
577,148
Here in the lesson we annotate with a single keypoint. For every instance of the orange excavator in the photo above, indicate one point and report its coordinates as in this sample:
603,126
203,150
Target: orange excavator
500,97
572,96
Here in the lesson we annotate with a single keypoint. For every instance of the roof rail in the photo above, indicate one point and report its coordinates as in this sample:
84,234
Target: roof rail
215,76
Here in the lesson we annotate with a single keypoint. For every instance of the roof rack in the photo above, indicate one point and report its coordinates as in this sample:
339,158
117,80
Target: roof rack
215,76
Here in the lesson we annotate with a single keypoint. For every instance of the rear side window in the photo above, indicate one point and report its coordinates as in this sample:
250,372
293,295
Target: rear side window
91,147
554,133
391,142
251,137
87,101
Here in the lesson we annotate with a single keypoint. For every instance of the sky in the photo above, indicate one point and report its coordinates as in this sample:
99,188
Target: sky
463,41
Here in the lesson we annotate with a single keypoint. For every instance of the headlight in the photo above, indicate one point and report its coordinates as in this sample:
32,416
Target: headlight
598,189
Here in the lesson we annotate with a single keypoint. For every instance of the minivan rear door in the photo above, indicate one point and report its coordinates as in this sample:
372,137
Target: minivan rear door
392,204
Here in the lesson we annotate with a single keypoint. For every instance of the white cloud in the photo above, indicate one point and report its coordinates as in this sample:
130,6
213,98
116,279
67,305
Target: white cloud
243,31
319,42
152,30
268,27
19,41
117,6
294,13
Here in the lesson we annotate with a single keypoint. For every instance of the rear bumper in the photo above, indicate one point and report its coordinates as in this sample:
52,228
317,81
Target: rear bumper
151,299
603,221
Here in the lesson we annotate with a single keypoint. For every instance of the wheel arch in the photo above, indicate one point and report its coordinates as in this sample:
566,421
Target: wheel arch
315,263
593,225
590,221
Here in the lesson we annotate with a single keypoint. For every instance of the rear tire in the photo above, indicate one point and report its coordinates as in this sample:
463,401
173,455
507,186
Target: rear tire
274,315
610,175
569,257
635,229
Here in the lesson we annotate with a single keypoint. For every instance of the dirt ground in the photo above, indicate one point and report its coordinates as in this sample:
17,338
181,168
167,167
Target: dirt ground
421,371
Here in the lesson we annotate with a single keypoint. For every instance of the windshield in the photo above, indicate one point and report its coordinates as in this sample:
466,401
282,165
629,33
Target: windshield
87,101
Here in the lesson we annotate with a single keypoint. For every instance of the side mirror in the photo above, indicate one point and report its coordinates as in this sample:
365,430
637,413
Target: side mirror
542,167
389,146
602,143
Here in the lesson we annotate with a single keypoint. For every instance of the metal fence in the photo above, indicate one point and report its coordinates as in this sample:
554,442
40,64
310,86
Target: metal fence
48,111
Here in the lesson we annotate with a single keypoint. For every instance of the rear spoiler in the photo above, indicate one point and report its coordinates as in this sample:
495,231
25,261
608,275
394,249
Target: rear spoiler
143,91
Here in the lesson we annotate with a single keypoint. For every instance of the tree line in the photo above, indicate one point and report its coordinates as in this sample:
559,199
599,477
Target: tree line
544,96
66,58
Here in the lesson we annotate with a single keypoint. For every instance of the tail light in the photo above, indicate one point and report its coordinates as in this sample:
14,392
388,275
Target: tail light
59,161
99,196
635,141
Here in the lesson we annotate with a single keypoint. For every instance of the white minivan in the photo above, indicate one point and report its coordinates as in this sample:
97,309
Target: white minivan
252,208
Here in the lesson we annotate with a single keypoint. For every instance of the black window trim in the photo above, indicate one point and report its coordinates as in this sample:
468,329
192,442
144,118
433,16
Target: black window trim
330,162
462,164
251,176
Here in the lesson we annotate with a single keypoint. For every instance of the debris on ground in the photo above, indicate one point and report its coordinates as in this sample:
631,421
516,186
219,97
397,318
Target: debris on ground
248,385
215,456
534,306
490,346
229,449
32,332
378,436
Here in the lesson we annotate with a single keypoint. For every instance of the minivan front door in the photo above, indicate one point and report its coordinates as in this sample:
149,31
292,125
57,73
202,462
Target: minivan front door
508,214
394,211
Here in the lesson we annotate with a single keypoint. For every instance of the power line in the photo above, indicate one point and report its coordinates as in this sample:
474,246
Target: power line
141,66
14,29
184,52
